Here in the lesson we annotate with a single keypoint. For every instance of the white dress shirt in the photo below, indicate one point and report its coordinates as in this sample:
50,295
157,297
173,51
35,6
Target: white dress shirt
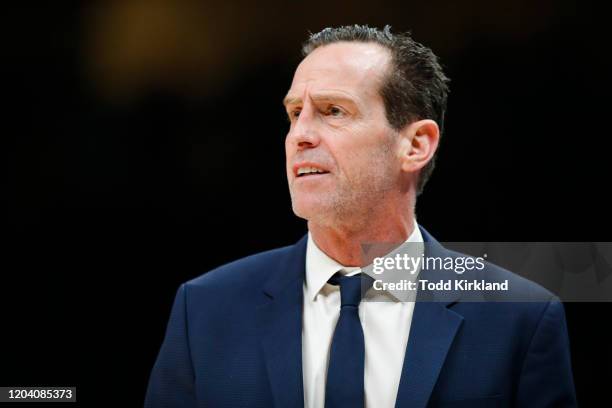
386,326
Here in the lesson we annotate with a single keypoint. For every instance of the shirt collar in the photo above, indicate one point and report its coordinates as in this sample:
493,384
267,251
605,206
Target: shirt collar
320,267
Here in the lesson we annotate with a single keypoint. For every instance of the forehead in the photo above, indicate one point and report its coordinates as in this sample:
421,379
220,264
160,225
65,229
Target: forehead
347,67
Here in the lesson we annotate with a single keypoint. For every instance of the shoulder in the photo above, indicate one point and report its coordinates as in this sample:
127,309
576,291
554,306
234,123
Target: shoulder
518,287
236,288
522,308
252,270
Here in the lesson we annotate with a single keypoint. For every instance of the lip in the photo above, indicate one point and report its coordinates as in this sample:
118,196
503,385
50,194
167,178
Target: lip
309,164
310,177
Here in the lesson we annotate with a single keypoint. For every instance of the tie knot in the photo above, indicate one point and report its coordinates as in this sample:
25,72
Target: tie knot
351,288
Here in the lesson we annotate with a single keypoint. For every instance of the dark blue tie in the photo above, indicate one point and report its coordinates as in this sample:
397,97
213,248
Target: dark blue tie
344,386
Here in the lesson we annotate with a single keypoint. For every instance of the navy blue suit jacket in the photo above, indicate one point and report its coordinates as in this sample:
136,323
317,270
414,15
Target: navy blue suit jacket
234,340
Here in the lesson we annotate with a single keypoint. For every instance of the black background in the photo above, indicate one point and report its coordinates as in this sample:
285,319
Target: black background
143,145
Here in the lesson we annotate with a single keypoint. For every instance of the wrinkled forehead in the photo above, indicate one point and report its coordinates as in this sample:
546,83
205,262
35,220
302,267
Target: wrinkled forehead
350,66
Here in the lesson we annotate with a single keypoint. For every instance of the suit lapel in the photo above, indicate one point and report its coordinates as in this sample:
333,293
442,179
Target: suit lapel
432,332
280,328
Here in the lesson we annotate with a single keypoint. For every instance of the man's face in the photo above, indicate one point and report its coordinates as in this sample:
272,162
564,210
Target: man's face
339,129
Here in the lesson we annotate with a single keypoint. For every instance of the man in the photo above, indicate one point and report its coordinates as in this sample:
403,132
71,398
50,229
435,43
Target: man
284,328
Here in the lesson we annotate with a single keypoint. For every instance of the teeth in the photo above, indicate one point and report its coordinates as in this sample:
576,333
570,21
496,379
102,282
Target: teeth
307,170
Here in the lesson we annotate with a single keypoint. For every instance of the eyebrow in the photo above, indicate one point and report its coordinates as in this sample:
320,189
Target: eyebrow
319,98
289,100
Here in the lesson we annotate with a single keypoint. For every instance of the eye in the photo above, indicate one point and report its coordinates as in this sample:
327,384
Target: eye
335,111
294,114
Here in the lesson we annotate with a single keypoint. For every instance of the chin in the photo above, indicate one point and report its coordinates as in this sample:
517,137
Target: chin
322,214
309,209
303,211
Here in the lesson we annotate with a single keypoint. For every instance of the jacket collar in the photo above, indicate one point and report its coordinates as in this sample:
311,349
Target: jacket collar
433,329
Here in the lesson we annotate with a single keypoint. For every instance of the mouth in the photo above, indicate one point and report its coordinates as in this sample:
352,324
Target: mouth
308,170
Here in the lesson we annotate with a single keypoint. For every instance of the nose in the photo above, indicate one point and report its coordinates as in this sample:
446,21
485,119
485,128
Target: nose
304,132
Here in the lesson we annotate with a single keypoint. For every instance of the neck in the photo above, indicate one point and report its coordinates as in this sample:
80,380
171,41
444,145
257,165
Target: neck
343,242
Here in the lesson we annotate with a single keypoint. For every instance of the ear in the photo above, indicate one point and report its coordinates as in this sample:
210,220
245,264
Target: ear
419,143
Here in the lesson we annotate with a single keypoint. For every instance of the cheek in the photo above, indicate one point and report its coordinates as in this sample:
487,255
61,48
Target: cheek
364,146
287,144
370,161
288,152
